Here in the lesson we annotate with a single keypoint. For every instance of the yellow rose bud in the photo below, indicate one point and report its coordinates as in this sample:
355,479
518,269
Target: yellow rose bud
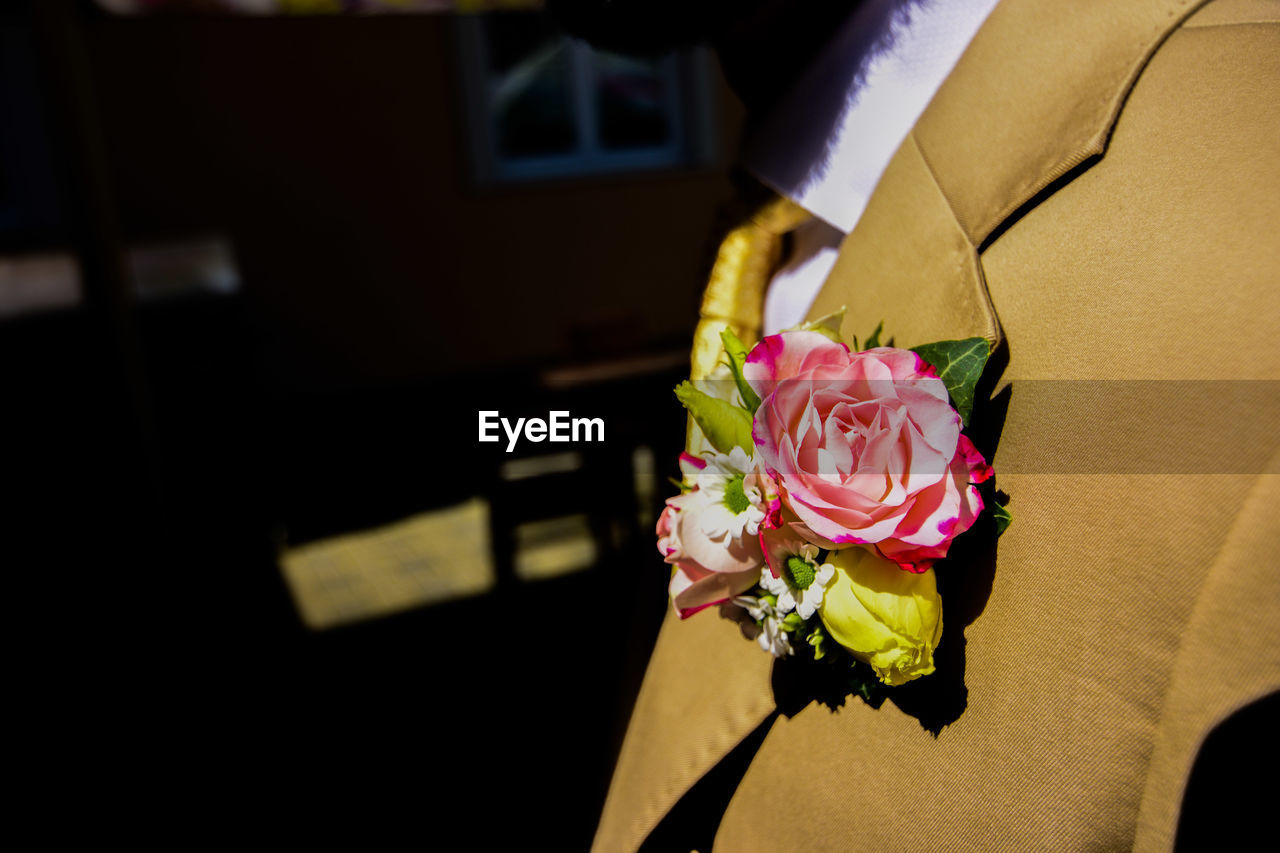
885,616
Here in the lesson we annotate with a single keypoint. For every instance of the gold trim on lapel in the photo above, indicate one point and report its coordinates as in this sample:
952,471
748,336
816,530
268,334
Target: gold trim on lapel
734,296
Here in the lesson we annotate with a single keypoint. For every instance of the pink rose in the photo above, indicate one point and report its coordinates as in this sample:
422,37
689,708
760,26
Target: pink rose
711,565
865,446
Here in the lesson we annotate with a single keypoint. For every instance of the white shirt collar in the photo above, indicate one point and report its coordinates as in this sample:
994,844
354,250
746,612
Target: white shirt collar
826,144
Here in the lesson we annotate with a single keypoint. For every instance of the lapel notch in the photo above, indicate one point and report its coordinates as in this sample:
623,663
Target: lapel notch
909,264
1033,98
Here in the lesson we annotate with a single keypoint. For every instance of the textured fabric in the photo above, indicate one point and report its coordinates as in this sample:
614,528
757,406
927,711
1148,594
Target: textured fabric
1232,634
1096,185
677,735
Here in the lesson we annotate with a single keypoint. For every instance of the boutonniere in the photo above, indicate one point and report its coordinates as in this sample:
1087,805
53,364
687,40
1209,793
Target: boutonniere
836,479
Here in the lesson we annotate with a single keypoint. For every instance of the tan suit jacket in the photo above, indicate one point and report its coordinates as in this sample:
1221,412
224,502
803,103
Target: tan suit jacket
1096,188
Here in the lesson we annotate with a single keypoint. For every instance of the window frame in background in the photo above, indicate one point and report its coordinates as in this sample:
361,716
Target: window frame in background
691,111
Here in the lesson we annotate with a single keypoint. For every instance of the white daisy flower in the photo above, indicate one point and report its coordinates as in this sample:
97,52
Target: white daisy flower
779,588
728,481
774,639
772,635
811,598
803,583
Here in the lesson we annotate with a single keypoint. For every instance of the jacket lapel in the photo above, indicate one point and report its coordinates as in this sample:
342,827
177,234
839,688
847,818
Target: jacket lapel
1029,106
705,690
909,264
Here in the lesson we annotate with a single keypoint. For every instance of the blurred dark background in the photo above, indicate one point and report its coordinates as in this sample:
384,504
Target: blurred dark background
258,273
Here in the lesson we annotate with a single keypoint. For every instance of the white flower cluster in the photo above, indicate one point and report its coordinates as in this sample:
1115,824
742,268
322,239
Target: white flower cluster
790,597
716,529
782,598
773,633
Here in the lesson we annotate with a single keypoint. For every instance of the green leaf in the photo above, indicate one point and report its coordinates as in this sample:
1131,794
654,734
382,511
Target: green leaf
737,352
828,325
1003,518
863,682
959,364
725,425
874,340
